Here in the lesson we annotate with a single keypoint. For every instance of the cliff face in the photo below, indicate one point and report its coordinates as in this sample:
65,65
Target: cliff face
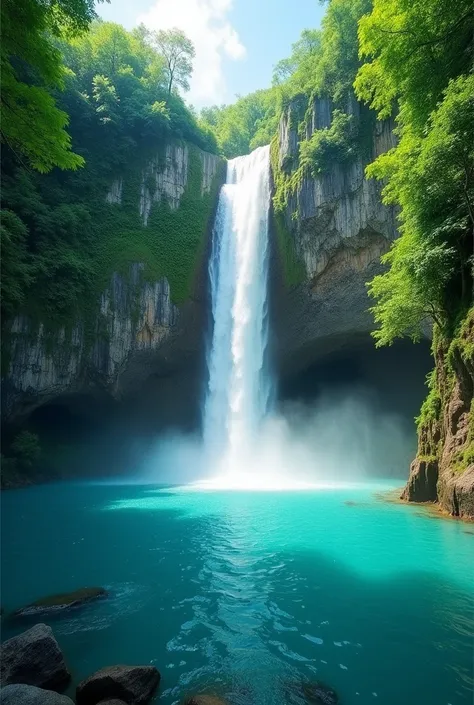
136,329
443,470
338,230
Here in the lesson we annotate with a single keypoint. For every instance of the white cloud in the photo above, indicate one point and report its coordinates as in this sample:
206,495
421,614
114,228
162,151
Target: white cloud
207,24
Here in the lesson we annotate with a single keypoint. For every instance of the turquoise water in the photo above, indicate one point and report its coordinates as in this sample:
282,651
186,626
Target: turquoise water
248,594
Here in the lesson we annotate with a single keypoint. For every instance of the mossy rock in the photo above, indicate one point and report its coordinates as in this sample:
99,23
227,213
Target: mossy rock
62,601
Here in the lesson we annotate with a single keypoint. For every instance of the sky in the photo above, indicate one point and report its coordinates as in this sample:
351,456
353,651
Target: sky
237,42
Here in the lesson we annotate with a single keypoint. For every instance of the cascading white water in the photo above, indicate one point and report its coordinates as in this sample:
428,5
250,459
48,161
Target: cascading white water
239,383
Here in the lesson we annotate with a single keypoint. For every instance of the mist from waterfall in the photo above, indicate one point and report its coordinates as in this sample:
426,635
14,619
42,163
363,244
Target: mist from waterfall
248,442
240,385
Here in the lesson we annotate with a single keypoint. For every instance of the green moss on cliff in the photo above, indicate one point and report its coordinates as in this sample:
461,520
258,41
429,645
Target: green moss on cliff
171,243
292,264
451,379
71,271
431,407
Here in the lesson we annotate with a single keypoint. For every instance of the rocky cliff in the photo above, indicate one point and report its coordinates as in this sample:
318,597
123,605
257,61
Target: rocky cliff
335,228
135,328
443,470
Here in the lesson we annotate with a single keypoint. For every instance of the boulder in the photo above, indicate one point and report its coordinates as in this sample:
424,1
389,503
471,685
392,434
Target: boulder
133,684
34,658
63,601
20,694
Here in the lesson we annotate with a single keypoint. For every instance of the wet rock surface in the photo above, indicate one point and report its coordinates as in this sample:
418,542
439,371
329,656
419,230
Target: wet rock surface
34,658
133,684
20,694
63,601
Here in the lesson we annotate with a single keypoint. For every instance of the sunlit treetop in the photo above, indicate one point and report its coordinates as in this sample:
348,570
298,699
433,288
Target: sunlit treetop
412,49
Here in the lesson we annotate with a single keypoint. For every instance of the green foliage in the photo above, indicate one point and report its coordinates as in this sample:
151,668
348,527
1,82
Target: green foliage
293,266
178,52
60,240
31,68
325,62
249,123
430,177
171,243
431,407
328,145
412,49
320,71
26,449
17,267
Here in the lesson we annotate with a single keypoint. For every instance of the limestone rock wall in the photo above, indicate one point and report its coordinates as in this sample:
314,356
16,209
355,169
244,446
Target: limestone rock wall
339,229
135,316
137,331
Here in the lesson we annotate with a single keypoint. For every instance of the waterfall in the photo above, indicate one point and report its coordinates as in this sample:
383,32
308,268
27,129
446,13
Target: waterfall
239,385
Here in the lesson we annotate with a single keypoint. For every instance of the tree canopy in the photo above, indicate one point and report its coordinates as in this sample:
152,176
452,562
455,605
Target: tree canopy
418,65
31,67
178,53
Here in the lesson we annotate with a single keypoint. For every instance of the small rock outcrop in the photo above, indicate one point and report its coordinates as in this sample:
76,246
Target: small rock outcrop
20,694
63,601
443,470
133,684
34,658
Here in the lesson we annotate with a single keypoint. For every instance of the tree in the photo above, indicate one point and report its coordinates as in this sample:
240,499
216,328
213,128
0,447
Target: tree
307,45
178,52
31,67
418,58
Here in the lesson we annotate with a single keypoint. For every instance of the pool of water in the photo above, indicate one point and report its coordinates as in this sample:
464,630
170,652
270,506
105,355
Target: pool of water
250,594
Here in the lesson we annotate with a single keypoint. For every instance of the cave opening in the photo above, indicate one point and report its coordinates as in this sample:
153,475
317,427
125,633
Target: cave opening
359,400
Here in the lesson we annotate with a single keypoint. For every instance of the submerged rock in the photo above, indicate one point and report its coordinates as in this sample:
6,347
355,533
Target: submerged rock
319,694
34,658
62,601
204,700
316,693
133,684
20,694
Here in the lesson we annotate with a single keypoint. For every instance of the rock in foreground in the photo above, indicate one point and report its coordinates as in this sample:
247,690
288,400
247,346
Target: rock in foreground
63,601
19,694
133,684
34,658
